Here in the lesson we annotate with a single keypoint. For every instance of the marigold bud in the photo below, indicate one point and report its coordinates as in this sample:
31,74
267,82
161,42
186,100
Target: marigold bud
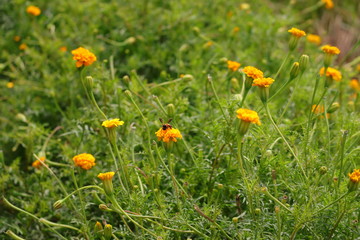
58,204
188,77
303,63
107,231
13,235
277,209
89,83
220,186
170,108
323,170
235,219
98,229
257,211
128,93
334,107
295,69
104,208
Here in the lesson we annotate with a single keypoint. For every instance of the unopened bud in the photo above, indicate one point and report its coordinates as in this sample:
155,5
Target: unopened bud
323,170
130,40
13,235
188,77
294,72
58,204
303,62
220,186
128,93
335,106
257,211
223,60
196,29
89,82
170,108
235,219
126,78
104,208
107,231
98,229
277,209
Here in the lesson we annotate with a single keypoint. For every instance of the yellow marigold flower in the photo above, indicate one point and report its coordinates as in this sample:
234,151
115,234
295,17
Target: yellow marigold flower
84,160
83,57
358,67
168,135
33,10
319,109
297,32
328,4
332,73
63,49
332,50
355,84
354,180
112,123
253,72
355,176
263,82
10,84
23,46
208,44
17,38
244,6
236,29
37,164
106,176
233,66
313,38
248,115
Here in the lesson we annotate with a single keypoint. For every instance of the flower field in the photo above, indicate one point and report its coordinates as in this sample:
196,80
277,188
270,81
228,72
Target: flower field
182,119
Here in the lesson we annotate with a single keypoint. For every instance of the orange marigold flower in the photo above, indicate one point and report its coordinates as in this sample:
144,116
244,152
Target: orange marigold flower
84,160
236,29
208,44
83,57
355,176
33,10
328,4
319,109
253,72
112,123
332,73
168,135
63,49
10,84
248,115
23,46
355,84
297,32
233,66
313,38
106,176
17,38
37,164
332,50
263,82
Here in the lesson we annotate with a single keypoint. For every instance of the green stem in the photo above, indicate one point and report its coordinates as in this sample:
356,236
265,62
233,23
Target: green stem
282,64
117,167
267,193
284,139
332,203
342,147
217,99
123,168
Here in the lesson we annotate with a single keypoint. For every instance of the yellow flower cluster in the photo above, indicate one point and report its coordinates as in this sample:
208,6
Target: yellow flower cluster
328,4
169,134
297,32
355,84
33,10
106,176
355,176
248,115
314,39
263,82
253,72
332,50
112,123
332,73
84,160
233,66
37,164
83,57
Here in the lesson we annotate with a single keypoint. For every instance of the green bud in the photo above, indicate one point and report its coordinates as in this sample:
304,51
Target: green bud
13,235
188,77
89,83
130,40
294,72
126,78
303,62
170,108
323,170
293,42
220,186
107,231
128,93
257,211
98,228
335,106
104,208
58,204
235,219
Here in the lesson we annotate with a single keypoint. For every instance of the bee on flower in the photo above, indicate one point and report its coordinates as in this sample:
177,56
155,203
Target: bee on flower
33,10
83,57
167,133
84,160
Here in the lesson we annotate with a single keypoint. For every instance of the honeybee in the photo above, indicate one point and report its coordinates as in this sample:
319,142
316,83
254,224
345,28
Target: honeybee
165,125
